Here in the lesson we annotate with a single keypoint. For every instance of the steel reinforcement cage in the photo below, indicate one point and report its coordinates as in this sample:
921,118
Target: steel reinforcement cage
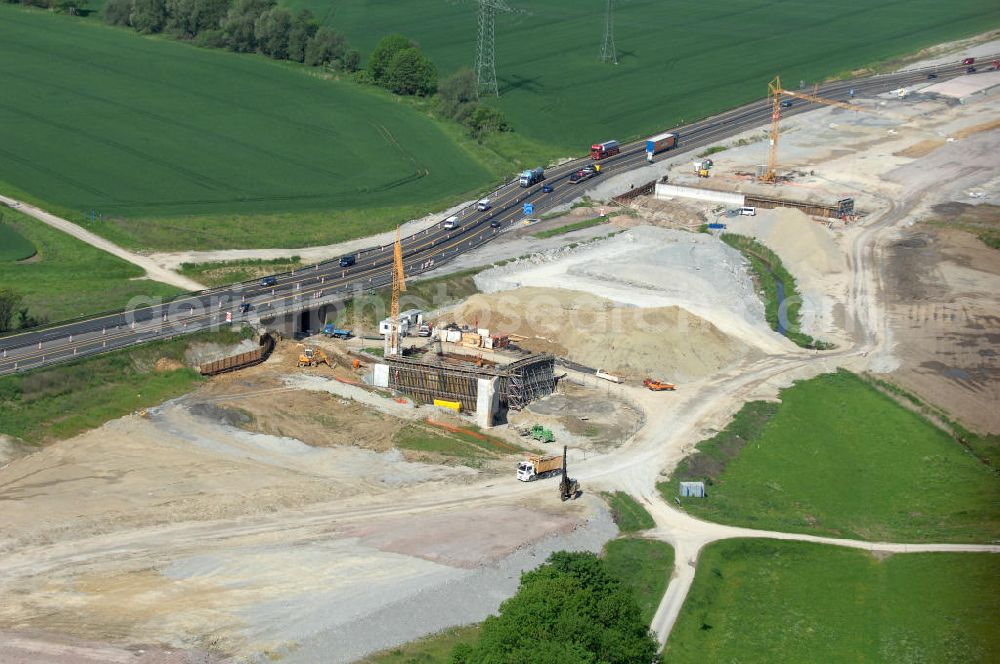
521,382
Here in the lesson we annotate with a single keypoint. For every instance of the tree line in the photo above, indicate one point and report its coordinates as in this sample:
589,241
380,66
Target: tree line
72,7
245,26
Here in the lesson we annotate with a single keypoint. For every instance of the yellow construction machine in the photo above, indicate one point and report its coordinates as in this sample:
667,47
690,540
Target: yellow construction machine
313,357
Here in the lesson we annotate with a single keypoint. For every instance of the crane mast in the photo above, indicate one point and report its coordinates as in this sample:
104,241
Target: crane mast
392,337
774,92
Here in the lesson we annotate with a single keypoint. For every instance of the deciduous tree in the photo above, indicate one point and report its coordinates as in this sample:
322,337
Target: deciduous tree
240,23
325,47
9,300
189,18
118,12
383,54
568,610
148,16
410,72
272,30
304,26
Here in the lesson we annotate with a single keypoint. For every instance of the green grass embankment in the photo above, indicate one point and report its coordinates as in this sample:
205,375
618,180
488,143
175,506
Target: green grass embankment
68,278
781,315
61,401
839,458
568,228
630,516
432,649
767,601
644,566
222,273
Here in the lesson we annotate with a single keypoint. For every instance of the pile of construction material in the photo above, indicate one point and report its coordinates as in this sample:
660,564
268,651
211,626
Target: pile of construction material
469,337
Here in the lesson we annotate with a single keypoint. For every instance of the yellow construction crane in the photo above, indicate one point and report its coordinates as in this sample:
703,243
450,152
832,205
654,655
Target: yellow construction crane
398,286
774,92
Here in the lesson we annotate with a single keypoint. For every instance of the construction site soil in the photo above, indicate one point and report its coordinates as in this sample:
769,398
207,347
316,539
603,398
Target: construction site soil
631,341
267,515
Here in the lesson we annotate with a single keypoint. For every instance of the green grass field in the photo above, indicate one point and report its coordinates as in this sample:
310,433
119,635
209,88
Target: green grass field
222,273
568,228
184,147
62,401
768,269
839,458
433,649
677,60
469,448
68,278
630,516
644,566
776,602
13,245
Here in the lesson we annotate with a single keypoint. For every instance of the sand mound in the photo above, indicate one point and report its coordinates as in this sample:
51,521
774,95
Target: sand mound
809,251
804,245
667,342
650,268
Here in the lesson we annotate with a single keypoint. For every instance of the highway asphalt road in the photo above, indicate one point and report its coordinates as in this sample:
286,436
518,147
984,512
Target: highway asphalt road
328,282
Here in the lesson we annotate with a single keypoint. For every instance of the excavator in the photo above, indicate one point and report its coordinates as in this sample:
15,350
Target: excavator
313,357
658,385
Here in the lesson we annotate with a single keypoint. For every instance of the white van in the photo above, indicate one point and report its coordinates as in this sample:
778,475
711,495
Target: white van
451,223
748,212
483,204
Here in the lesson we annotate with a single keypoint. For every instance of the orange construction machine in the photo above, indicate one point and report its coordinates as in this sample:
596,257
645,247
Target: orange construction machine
658,386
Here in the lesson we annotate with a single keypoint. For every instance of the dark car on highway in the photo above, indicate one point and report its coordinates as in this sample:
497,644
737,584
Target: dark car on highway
494,223
932,75
347,261
547,188
970,70
787,103
269,281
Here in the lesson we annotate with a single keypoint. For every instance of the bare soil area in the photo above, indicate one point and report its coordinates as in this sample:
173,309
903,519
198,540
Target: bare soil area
583,416
945,310
632,341
264,515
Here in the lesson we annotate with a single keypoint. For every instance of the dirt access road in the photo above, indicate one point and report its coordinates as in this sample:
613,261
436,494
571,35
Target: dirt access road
153,270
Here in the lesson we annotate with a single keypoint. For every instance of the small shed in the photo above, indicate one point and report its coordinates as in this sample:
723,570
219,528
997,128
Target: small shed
692,489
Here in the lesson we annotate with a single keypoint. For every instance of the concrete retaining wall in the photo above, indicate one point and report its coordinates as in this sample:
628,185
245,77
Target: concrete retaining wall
675,191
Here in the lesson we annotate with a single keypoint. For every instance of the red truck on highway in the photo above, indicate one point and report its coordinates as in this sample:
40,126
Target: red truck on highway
606,149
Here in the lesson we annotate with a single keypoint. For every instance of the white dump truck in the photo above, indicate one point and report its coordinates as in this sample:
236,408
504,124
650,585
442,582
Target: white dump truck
537,466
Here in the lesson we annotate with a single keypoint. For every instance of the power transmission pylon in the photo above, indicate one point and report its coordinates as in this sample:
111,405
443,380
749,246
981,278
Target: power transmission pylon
486,58
608,51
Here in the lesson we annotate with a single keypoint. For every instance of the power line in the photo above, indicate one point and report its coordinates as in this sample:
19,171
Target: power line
608,51
486,52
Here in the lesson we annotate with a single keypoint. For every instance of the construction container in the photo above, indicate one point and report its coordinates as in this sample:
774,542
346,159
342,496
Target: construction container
452,405
471,339
692,489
